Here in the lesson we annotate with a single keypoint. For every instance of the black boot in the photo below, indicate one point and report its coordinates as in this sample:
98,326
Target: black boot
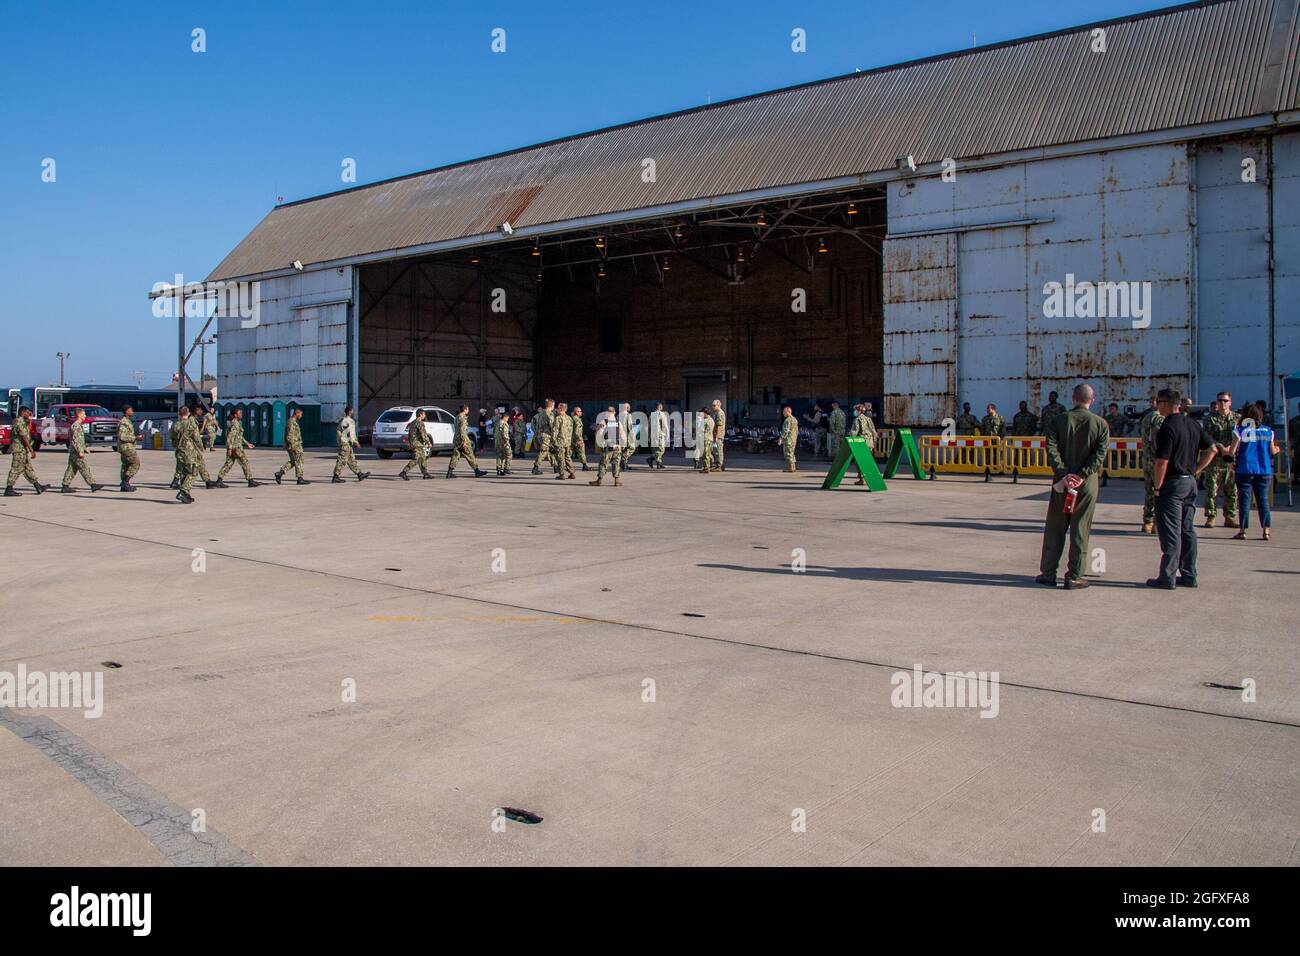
303,481
336,480
127,486
66,490
479,473
254,484
278,476
40,488
183,498
211,484
174,485
363,476
10,493
450,473
95,487
404,476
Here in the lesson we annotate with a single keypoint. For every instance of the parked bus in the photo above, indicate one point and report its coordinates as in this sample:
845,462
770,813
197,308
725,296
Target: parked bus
157,403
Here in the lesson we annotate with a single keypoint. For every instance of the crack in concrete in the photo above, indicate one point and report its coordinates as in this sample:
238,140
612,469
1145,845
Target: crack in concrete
162,823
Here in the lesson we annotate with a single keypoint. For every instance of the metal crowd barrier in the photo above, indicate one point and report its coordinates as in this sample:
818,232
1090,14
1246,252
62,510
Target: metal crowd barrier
961,454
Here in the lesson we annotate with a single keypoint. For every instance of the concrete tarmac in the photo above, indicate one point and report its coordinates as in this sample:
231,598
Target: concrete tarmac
684,670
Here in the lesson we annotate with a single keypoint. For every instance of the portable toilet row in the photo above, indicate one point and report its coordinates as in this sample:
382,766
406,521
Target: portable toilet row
264,422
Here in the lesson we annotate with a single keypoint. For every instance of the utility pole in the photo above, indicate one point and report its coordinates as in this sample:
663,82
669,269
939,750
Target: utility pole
62,356
203,359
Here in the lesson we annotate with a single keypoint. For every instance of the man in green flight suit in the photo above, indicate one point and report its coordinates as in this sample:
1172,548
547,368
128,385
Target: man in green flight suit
1076,451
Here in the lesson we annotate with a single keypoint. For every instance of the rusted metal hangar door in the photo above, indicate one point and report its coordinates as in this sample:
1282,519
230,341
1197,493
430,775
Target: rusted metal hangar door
920,328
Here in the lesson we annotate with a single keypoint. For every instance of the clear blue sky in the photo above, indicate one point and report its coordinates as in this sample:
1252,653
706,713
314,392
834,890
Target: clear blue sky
166,158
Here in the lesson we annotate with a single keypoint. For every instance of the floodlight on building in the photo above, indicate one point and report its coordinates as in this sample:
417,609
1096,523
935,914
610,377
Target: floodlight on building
297,264
506,228
907,164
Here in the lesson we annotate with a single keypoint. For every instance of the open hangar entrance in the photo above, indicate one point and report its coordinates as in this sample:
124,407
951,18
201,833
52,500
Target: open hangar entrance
754,304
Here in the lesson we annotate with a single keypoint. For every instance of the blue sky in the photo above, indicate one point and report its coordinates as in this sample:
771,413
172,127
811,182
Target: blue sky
166,158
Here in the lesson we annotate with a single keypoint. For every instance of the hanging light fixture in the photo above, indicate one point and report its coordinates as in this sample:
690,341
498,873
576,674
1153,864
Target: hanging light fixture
677,233
740,254
537,248
821,246
853,209
666,266
600,242
600,273
539,275
762,218
473,260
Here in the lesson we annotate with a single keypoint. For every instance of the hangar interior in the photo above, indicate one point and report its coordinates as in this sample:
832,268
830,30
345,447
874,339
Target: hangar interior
751,304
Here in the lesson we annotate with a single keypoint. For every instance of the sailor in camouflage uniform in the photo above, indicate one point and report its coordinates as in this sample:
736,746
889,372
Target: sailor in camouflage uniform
658,436
235,445
20,447
518,432
704,439
966,422
835,433
417,436
720,434
992,424
1148,426
196,460
1051,411
612,441
1116,421
579,436
562,442
863,427
1025,422
629,434
347,438
126,448
292,445
208,429
1220,474
77,464
502,440
189,448
789,437
543,428
462,446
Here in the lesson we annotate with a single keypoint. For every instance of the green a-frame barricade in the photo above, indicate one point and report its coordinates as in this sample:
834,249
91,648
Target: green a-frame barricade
855,450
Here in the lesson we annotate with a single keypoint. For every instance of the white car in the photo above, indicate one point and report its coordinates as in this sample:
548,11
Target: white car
389,434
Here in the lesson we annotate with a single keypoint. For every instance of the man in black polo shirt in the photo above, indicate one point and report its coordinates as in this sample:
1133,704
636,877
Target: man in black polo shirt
1183,449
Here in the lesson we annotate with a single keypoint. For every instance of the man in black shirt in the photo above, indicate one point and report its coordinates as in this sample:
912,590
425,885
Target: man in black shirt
1183,449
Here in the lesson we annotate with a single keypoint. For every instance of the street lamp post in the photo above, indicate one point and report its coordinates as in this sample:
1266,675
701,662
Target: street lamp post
62,356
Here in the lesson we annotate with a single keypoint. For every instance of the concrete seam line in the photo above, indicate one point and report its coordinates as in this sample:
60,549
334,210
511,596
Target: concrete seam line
162,823
652,629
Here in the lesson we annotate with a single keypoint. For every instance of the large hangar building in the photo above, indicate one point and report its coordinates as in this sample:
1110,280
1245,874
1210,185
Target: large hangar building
920,215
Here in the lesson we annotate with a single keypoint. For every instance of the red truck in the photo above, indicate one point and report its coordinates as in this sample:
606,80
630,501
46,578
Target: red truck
6,431
100,425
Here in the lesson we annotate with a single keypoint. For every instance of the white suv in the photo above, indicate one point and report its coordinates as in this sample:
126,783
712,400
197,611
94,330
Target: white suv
389,433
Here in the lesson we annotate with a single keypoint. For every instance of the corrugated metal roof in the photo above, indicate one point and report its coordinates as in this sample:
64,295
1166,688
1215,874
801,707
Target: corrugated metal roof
1182,66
